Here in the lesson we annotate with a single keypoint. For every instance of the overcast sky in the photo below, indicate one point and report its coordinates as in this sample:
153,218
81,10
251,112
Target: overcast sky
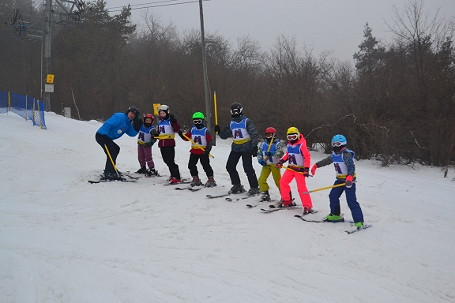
321,25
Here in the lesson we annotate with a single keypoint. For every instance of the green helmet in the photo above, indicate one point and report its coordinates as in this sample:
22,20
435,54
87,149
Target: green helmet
198,115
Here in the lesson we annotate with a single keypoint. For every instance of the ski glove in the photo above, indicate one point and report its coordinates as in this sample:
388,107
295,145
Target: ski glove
306,171
217,129
279,164
152,142
254,151
137,124
154,132
262,162
313,169
348,181
206,152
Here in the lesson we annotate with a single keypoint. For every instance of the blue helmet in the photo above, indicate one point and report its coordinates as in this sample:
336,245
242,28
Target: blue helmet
339,138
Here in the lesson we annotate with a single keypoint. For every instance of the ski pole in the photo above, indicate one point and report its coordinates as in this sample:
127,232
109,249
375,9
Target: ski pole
323,188
270,145
197,146
112,161
163,136
300,172
215,108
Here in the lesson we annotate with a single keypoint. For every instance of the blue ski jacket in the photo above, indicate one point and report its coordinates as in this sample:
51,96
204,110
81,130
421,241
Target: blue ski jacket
116,126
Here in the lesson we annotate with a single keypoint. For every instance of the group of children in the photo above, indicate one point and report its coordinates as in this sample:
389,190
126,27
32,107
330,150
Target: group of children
271,157
168,127
271,153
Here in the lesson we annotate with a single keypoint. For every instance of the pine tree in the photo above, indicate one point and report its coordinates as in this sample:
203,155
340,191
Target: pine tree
371,54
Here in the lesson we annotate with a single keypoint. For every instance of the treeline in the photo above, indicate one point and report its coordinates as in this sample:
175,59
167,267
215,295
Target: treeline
396,105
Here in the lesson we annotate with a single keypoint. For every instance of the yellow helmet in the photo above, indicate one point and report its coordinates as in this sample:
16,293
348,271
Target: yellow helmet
293,134
293,130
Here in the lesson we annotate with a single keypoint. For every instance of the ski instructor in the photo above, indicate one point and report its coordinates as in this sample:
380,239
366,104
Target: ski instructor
112,129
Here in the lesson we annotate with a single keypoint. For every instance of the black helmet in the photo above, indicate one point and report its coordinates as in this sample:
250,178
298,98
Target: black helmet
236,109
134,110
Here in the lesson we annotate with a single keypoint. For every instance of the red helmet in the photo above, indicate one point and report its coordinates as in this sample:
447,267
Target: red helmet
270,130
148,116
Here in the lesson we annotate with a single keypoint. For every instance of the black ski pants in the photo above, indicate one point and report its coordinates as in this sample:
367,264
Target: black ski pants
168,154
205,162
247,161
113,148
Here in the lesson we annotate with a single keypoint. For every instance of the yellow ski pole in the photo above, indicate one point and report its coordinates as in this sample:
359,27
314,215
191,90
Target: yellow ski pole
112,161
215,108
300,172
270,145
200,147
268,149
162,137
323,188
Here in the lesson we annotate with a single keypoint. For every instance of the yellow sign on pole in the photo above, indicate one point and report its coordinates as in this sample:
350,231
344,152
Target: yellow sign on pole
155,108
50,79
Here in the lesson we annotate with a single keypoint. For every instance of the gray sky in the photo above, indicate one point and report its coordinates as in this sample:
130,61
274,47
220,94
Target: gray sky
321,25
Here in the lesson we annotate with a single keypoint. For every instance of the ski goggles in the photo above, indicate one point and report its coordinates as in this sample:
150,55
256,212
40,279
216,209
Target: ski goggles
292,137
338,144
197,121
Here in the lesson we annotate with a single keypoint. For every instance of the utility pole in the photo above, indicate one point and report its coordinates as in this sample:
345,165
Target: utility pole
208,103
47,37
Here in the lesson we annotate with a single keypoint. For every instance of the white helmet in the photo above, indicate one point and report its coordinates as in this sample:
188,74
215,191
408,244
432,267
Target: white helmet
163,108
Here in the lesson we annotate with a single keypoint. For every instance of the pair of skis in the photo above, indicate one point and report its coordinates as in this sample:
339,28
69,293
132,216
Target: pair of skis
349,231
272,207
190,188
124,178
229,197
259,203
303,217
217,196
182,181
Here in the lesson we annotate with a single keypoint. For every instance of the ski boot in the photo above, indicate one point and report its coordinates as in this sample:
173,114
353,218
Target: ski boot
196,181
265,196
286,203
174,180
112,177
210,182
308,210
142,170
237,189
152,172
334,218
359,225
253,191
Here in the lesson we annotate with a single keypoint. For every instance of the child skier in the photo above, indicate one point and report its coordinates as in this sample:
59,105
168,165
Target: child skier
167,127
244,145
299,162
145,140
343,160
269,153
201,144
